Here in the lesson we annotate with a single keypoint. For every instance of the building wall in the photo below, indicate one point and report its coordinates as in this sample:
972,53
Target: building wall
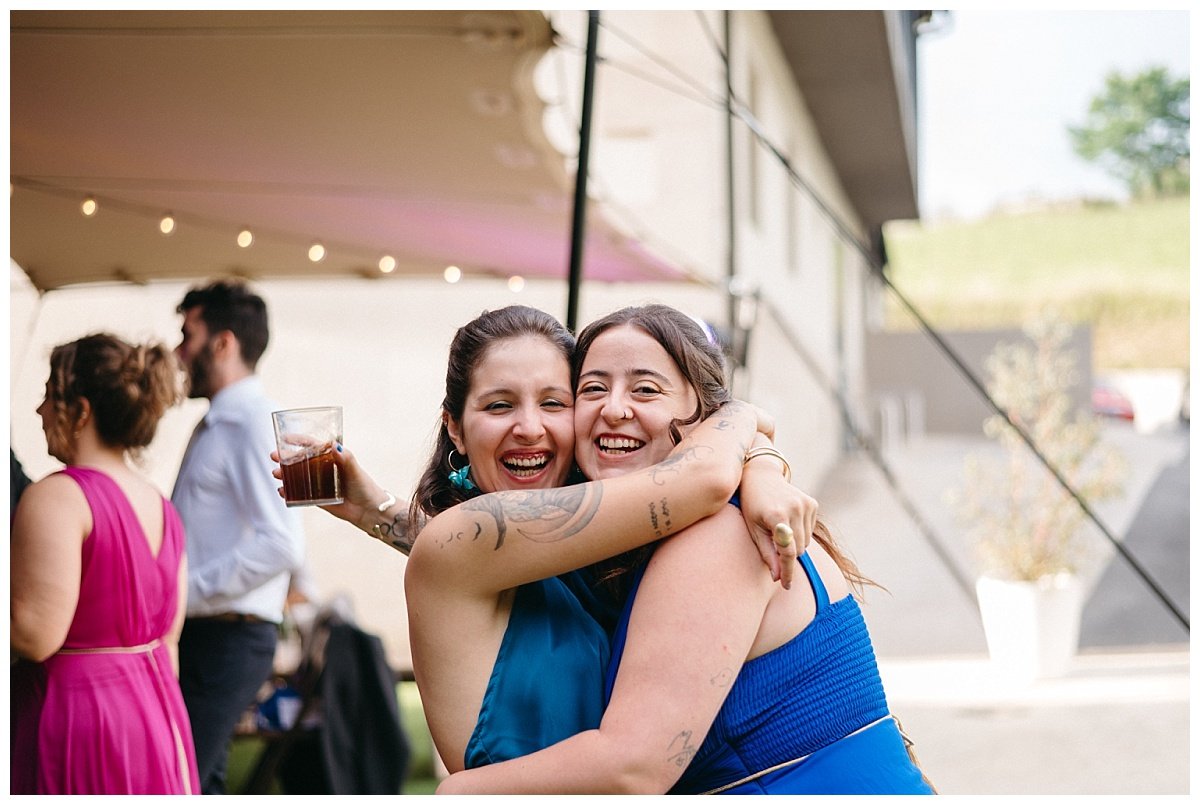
378,347
659,169
915,389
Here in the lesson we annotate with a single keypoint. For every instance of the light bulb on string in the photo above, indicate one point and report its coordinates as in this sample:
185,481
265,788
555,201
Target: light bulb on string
167,224
316,252
387,264
245,238
452,274
88,207
516,283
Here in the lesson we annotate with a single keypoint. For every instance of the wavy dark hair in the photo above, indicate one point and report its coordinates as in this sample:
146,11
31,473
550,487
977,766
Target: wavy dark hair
702,364
434,493
231,305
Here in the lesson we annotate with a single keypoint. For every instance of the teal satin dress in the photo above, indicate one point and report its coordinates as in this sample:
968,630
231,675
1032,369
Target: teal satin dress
548,680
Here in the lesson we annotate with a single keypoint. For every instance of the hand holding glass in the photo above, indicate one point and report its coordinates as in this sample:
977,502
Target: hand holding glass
306,439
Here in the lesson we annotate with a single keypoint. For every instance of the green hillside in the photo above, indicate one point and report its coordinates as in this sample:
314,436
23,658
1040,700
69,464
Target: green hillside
1122,269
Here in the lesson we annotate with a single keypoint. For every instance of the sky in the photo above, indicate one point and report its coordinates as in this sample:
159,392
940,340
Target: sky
998,89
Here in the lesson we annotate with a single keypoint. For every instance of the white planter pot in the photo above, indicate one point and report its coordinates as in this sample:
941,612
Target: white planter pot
1032,627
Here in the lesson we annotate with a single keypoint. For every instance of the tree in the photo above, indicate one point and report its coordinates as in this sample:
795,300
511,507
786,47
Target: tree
1138,129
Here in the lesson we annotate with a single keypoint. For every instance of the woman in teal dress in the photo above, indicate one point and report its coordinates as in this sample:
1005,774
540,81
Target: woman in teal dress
722,681
507,657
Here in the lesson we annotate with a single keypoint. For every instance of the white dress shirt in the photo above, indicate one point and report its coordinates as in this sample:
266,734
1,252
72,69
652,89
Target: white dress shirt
243,542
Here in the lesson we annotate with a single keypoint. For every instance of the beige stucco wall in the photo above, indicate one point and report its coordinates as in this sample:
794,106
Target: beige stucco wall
659,168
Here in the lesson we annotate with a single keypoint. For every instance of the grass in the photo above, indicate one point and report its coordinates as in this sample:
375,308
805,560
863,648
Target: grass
1121,269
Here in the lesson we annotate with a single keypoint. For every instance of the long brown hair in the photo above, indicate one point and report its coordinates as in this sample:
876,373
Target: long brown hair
702,363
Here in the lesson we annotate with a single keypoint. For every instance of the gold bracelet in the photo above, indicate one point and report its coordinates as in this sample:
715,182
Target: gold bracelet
771,451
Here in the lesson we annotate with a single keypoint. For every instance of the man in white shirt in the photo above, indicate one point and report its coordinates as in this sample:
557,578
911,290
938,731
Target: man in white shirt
243,542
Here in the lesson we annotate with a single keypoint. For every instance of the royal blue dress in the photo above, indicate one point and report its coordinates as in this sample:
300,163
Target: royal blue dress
808,717
548,680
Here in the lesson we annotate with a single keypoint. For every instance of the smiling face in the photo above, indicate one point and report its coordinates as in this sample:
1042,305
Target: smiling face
629,392
517,428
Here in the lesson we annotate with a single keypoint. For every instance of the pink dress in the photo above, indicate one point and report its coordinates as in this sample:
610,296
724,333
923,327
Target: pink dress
105,715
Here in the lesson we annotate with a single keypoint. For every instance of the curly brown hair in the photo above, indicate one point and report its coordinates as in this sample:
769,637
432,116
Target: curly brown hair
129,387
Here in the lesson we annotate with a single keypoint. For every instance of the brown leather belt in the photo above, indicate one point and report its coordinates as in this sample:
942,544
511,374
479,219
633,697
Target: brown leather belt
228,617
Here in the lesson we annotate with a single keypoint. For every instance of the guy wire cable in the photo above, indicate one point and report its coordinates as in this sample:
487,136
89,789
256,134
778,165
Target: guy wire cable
872,450
848,237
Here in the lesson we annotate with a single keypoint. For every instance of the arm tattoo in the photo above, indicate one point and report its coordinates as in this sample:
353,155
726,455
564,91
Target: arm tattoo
722,678
681,750
540,515
660,530
671,464
396,534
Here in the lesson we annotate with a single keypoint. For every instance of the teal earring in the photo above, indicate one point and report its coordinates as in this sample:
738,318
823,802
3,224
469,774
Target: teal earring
459,478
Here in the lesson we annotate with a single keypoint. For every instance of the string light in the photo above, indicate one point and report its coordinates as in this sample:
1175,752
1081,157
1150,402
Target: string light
167,224
245,238
387,264
316,252
516,283
452,274
89,206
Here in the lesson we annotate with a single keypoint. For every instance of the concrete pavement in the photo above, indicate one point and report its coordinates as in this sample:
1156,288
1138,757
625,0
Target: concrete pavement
1119,721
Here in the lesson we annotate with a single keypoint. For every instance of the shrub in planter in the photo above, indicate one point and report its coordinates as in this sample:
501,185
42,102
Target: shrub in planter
1025,526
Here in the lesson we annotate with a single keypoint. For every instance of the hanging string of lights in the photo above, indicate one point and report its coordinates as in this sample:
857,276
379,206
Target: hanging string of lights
169,222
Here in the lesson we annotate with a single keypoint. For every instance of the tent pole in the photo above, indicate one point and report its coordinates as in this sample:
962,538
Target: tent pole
581,171
730,197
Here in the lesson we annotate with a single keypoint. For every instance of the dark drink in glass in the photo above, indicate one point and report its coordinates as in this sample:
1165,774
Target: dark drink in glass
311,478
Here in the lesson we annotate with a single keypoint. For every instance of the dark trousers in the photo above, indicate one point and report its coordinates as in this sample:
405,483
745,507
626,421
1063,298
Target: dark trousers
222,665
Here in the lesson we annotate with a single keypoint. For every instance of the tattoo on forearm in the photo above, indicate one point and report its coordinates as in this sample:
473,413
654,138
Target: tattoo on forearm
540,515
396,534
681,750
660,518
671,465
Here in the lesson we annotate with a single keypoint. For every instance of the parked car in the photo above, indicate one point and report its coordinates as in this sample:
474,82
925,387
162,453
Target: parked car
1108,401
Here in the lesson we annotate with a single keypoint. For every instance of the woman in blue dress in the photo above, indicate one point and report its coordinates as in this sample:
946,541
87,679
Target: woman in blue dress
507,657
724,682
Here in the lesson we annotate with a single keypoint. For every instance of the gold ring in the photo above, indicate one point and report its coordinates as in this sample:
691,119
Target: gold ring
783,535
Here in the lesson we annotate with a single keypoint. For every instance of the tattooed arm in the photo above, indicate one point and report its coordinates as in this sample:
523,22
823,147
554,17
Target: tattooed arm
696,618
362,499
498,541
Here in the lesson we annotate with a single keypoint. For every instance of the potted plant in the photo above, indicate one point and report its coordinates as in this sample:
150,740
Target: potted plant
1028,530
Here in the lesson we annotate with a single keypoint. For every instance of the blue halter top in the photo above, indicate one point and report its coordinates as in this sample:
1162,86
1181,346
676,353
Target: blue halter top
818,696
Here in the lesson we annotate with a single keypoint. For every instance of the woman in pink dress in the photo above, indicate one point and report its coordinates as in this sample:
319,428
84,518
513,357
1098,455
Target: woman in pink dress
98,588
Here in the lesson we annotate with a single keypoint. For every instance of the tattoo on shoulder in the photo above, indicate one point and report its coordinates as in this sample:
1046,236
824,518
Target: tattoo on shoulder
681,750
540,515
